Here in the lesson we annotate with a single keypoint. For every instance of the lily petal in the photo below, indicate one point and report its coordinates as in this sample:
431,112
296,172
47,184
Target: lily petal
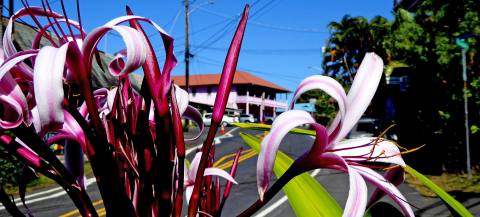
331,87
182,99
390,189
357,195
212,171
136,50
192,172
194,115
10,88
395,175
361,92
11,116
48,86
188,192
70,130
158,84
369,149
41,33
269,146
8,45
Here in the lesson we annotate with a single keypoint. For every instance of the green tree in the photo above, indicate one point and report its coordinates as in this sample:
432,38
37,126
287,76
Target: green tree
422,42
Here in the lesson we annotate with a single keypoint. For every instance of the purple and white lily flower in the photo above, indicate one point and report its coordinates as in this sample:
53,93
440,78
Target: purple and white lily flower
191,173
330,150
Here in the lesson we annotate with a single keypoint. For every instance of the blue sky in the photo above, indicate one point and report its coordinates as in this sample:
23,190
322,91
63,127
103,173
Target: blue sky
282,43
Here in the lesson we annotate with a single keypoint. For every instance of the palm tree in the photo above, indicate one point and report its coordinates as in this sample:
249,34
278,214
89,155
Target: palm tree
350,39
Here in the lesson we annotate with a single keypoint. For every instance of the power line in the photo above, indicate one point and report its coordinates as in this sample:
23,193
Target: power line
261,9
266,25
214,62
222,32
285,51
190,34
217,35
268,10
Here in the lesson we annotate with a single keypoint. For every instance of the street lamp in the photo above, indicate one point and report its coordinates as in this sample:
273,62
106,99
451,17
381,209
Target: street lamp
464,45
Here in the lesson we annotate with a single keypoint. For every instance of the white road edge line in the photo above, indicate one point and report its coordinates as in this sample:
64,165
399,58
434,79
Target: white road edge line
58,194
217,140
92,180
279,202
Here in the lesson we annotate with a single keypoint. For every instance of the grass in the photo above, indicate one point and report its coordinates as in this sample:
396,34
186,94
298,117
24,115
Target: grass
42,182
450,182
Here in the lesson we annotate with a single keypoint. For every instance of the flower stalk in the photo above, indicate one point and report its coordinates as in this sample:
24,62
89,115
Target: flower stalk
221,99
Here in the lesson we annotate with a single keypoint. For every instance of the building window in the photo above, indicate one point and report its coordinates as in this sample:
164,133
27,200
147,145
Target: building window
241,91
194,92
209,91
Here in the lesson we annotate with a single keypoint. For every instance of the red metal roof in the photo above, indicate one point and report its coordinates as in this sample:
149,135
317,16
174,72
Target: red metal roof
242,78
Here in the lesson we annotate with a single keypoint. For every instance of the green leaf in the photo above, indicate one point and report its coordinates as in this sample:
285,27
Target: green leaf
306,196
474,129
266,127
447,199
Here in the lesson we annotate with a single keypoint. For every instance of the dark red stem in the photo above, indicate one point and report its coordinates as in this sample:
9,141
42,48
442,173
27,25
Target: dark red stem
66,17
180,145
103,164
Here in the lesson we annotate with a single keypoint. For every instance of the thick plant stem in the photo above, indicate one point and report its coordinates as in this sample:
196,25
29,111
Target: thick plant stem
101,156
163,182
180,147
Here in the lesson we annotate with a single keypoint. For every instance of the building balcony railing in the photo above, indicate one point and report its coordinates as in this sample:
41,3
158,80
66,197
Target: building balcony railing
259,101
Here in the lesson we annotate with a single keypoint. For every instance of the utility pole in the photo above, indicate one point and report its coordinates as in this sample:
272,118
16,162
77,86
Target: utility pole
187,49
187,60
10,8
464,45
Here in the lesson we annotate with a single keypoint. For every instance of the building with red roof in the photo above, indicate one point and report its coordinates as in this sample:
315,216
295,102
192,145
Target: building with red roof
250,94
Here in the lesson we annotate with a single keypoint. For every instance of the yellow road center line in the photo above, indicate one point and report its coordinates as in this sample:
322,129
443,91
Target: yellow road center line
71,213
222,159
102,212
245,155
248,153
228,164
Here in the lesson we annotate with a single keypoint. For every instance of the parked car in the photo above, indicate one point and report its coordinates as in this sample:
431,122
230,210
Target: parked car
370,127
247,118
365,127
268,119
226,120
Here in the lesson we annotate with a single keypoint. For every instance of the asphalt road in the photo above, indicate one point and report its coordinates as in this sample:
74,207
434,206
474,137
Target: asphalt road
53,202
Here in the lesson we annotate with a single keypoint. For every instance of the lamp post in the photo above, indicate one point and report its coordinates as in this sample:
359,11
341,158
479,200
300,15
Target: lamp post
464,45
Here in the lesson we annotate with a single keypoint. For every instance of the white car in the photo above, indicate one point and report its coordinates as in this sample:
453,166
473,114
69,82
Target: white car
226,120
247,118
268,119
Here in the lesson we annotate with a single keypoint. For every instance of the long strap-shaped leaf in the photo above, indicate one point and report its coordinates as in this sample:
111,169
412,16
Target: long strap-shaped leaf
221,99
266,127
306,196
446,198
